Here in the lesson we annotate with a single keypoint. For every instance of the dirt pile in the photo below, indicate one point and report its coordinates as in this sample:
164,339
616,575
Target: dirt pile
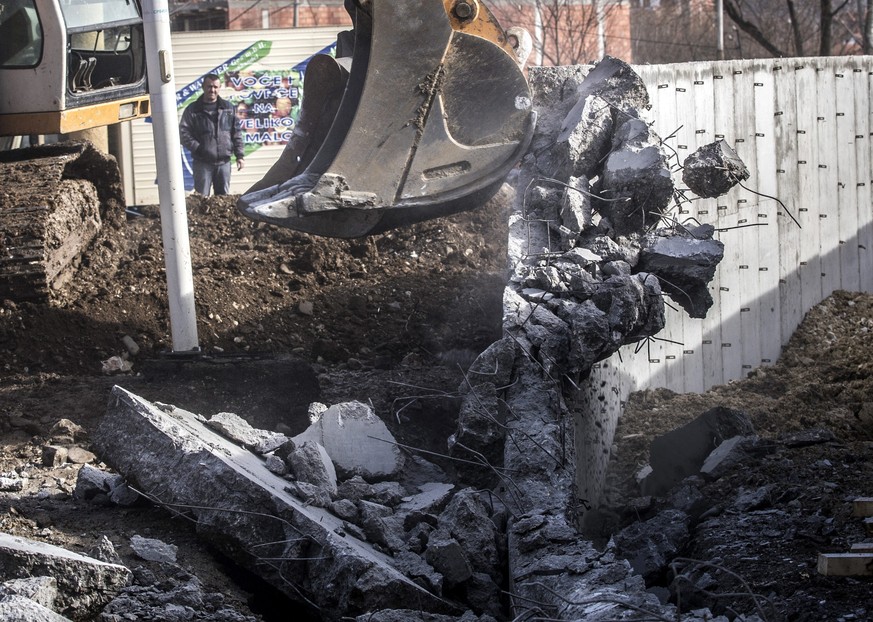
790,498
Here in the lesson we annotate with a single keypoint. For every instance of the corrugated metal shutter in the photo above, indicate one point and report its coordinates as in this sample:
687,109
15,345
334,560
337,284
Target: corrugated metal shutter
196,53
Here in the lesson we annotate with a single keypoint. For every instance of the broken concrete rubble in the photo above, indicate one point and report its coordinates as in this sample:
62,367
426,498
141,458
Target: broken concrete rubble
566,309
649,546
170,594
246,512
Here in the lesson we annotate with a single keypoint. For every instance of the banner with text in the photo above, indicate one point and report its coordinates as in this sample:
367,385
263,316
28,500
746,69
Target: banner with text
267,99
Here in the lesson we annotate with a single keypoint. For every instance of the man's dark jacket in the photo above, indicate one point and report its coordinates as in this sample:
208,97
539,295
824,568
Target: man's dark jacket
210,142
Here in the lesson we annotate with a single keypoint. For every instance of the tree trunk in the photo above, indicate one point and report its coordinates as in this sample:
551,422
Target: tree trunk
868,28
795,28
827,19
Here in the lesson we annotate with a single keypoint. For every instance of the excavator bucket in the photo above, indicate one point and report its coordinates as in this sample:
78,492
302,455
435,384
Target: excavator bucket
433,114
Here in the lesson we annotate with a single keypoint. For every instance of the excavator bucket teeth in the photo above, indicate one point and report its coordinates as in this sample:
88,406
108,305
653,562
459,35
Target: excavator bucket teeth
434,114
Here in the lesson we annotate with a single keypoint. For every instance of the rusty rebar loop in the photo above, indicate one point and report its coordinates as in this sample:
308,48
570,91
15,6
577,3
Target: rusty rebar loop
579,190
767,196
510,431
676,225
288,541
740,183
677,561
661,279
663,143
432,453
492,493
680,193
751,224
590,601
171,507
692,219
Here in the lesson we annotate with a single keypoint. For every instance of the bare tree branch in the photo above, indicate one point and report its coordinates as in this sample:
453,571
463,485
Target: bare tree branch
868,28
827,21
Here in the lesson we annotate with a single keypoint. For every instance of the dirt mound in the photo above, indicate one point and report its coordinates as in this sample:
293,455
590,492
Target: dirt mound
767,519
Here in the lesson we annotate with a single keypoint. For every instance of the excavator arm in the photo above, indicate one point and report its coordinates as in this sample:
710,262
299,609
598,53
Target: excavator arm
426,120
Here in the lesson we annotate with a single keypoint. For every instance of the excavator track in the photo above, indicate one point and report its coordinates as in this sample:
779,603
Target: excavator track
53,202
434,113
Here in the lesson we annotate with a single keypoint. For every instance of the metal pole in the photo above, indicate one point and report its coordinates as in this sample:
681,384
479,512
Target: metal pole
601,28
296,14
171,189
719,21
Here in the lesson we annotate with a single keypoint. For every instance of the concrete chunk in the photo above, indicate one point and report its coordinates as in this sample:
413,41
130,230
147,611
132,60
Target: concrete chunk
650,545
686,264
494,365
85,585
310,463
154,550
713,169
91,482
681,452
53,455
359,443
15,608
585,137
576,207
245,511
726,456
480,434
41,590
239,430
638,185
615,82
447,557
433,496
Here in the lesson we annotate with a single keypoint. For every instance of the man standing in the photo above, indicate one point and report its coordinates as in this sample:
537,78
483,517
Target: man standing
212,133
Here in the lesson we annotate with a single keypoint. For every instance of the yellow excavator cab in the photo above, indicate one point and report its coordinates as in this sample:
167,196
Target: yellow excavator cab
70,65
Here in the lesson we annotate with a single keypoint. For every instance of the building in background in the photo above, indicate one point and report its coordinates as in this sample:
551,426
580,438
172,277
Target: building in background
565,32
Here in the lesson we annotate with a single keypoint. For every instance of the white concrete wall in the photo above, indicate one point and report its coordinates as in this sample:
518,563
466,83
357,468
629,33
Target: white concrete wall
803,128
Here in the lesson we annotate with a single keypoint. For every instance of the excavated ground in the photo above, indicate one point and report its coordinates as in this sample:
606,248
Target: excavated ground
392,320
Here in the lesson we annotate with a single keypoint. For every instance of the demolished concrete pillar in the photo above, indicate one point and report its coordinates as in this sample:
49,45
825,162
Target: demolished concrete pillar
568,309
